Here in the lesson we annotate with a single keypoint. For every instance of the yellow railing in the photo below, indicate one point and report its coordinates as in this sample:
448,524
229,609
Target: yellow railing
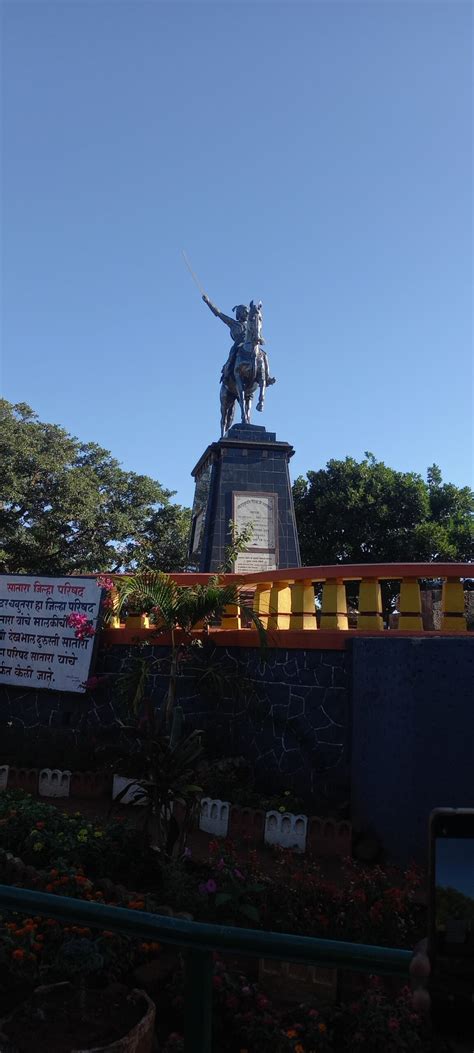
285,599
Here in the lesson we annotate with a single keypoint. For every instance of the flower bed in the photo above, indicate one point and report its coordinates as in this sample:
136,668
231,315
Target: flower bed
369,906
42,835
247,1020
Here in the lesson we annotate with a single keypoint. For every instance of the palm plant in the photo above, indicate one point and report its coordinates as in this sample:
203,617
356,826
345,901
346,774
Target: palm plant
169,764
177,610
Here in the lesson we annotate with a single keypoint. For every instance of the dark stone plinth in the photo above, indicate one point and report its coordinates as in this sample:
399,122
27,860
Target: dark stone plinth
249,458
412,747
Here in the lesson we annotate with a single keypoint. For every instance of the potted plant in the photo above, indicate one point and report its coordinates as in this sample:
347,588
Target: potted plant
80,1018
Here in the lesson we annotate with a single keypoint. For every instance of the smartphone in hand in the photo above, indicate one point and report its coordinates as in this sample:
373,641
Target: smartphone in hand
451,921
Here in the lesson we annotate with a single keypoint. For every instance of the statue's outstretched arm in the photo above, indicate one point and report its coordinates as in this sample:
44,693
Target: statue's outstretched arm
219,314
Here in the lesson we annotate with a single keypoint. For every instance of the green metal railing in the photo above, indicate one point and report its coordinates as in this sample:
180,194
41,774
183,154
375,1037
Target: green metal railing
199,941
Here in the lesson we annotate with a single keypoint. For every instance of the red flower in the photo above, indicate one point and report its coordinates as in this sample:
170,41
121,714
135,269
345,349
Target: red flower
394,1024
40,825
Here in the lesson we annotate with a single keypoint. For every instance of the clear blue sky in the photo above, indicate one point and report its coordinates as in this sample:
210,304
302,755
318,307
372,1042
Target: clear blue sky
316,156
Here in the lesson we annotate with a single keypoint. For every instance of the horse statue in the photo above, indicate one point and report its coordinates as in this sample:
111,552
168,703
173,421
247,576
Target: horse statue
248,372
246,368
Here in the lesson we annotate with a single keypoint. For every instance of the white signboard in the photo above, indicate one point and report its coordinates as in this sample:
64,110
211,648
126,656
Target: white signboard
248,562
37,647
257,511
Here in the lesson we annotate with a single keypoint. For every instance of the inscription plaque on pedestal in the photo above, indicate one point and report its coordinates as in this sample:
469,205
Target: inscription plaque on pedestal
260,511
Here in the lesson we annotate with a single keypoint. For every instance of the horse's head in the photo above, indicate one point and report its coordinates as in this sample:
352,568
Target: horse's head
254,322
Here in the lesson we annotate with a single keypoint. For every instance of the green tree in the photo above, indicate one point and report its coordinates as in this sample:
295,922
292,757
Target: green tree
365,512
164,541
68,506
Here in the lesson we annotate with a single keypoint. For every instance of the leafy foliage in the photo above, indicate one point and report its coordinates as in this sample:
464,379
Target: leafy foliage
366,512
68,506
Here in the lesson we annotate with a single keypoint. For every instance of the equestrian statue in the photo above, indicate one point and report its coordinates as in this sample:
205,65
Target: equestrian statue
247,367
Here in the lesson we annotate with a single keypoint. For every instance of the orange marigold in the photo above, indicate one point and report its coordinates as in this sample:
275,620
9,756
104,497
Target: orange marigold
18,954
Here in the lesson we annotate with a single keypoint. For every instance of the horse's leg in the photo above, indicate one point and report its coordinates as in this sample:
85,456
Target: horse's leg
224,410
240,395
230,412
261,387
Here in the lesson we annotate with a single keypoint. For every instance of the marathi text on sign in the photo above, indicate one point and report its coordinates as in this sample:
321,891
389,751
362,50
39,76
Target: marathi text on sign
36,644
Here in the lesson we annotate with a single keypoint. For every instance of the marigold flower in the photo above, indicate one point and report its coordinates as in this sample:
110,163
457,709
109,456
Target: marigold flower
322,1028
299,1048
291,1033
18,954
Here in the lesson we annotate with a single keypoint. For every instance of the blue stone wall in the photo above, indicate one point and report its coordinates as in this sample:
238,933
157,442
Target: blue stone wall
412,736
388,723
291,720
292,723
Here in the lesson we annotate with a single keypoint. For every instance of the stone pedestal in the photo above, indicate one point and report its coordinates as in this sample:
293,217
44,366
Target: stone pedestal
245,478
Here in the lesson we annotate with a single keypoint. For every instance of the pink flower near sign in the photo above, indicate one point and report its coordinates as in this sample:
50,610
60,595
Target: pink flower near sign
105,582
83,627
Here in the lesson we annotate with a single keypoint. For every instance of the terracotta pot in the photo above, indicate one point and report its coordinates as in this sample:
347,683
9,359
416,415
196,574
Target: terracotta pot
138,1040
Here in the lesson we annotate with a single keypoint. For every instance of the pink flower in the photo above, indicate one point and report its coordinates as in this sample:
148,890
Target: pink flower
393,1024
104,581
238,874
208,887
217,982
220,865
81,624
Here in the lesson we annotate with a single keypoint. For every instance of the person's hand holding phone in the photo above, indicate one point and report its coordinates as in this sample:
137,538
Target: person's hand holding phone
420,971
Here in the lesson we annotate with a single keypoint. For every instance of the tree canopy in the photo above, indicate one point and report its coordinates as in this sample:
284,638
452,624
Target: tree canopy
366,512
69,507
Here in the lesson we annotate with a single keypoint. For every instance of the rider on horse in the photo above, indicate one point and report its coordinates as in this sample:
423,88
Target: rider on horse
238,331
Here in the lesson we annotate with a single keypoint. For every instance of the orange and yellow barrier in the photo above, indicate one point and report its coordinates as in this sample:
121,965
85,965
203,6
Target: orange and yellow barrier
285,603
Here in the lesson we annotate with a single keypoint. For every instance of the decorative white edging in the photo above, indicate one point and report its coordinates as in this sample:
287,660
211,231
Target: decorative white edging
4,769
214,818
54,783
286,830
119,784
